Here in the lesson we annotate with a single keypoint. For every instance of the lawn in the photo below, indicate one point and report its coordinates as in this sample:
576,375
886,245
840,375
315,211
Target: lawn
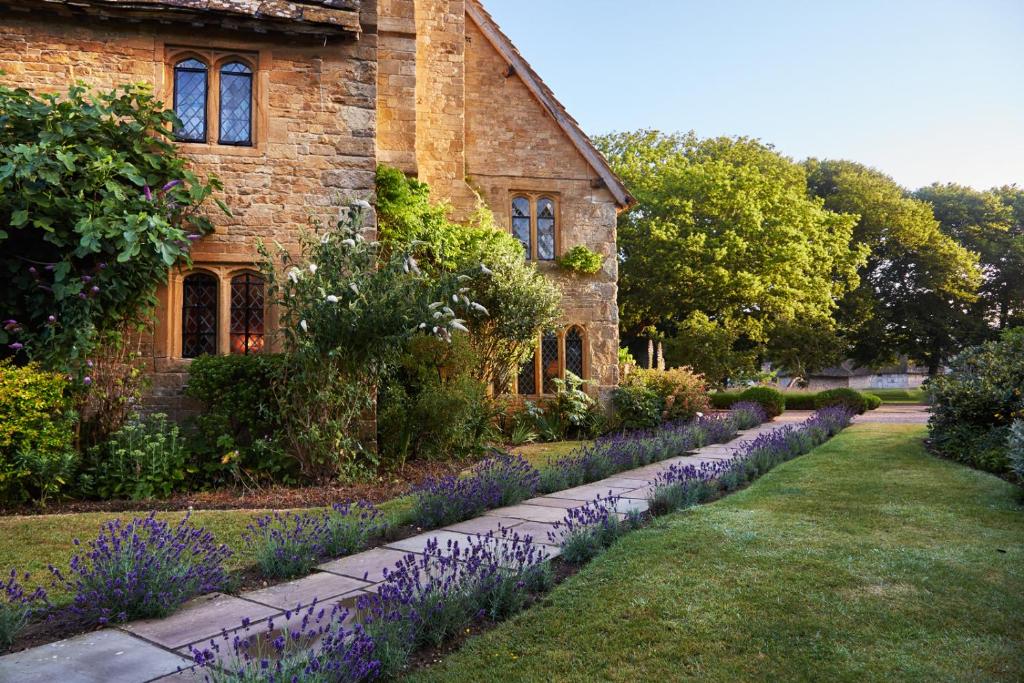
867,559
904,396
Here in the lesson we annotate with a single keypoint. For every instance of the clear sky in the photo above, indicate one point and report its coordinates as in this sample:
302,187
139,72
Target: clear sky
925,90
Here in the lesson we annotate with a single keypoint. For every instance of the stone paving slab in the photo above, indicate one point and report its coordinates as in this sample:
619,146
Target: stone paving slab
589,492
626,505
107,656
418,544
639,494
483,525
367,566
193,675
626,483
199,619
322,587
539,531
561,503
532,513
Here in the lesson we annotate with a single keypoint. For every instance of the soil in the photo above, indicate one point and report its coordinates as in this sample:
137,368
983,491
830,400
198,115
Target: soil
378,490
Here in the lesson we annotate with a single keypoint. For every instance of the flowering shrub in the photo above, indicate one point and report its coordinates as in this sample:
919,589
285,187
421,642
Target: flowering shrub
143,569
37,421
349,528
146,458
587,530
16,608
427,599
748,414
648,397
318,649
682,486
495,482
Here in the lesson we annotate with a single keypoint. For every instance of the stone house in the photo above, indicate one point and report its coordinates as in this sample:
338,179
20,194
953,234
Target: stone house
293,103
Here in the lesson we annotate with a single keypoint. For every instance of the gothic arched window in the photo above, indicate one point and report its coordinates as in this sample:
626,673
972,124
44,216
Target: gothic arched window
545,229
574,351
199,315
522,222
247,313
191,78
235,121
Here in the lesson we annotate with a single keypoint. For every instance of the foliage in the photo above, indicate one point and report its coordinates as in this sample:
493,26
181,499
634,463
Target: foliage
586,531
723,400
974,405
236,433
431,406
582,260
728,248
772,400
1015,448
146,458
514,302
842,396
315,646
291,544
36,433
571,414
626,357
16,608
647,397
916,281
116,377
500,480
97,205
748,414
682,486
874,402
143,569
347,315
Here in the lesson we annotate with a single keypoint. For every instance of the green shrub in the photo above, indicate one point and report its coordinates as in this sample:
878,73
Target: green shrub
648,397
842,396
772,400
1015,448
974,405
581,260
240,421
144,459
800,400
637,406
874,402
37,456
723,400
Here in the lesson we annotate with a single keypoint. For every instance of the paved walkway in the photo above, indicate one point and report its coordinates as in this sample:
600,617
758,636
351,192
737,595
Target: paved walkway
152,650
897,413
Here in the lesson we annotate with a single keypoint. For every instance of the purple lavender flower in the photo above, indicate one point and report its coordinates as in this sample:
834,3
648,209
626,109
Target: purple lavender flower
495,482
17,607
16,346
170,185
141,569
147,193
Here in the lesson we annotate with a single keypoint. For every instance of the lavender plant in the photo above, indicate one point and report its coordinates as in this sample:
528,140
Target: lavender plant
349,528
748,414
682,486
587,530
143,568
317,649
16,607
288,544
497,481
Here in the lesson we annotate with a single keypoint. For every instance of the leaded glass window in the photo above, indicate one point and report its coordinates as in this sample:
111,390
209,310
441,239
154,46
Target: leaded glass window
190,93
247,313
550,370
521,223
199,316
527,380
545,230
235,104
574,351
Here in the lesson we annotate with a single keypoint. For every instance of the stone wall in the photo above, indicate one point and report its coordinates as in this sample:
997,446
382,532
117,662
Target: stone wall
315,132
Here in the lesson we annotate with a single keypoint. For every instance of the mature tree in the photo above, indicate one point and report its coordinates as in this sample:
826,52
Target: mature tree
725,249
917,285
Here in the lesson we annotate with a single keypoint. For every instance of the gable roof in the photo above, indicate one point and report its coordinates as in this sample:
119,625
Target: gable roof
503,44
290,16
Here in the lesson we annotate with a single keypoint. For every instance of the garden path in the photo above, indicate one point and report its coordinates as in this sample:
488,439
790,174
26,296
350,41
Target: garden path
158,649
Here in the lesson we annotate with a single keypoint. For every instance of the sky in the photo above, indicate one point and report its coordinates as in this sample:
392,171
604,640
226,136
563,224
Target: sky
924,90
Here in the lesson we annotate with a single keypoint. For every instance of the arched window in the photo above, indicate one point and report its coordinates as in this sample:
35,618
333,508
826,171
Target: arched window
545,229
199,316
190,94
526,384
522,220
235,104
574,352
549,360
247,313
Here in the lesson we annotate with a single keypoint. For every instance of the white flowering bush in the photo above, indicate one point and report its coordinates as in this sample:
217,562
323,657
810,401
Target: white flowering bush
348,312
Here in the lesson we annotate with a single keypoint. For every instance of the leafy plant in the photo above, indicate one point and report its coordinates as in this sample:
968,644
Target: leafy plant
841,396
772,400
572,413
96,204
748,414
16,608
647,397
143,569
37,421
1015,447
146,458
586,531
287,544
582,260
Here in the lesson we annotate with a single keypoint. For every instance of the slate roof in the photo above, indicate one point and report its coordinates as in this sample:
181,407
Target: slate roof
503,44
294,16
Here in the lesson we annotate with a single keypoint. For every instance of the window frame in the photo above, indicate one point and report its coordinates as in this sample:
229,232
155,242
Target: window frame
215,60
247,334
175,68
535,198
183,316
251,76
538,361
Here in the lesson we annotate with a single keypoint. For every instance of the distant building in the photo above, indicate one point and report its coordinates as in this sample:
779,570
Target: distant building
904,375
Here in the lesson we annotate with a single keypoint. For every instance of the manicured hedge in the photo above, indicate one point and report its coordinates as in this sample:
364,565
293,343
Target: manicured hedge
803,400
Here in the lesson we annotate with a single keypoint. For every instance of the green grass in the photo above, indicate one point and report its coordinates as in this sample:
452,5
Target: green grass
866,560
540,455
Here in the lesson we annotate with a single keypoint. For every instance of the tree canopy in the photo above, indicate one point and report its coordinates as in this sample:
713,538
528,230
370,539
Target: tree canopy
727,255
